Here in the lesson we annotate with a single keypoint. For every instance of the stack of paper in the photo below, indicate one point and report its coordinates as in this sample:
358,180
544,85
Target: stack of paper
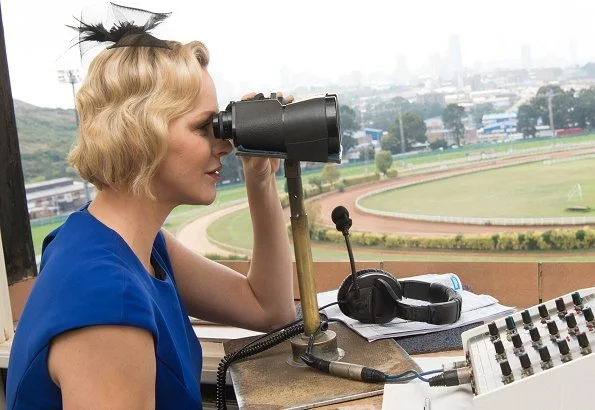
476,308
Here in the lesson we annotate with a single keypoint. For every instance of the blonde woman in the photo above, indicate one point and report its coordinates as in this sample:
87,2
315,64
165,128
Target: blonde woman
106,325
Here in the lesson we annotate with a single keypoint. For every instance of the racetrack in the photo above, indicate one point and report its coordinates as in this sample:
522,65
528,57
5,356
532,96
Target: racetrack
373,223
194,234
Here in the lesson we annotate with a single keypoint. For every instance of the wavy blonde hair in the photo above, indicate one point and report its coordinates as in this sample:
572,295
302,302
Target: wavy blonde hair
126,103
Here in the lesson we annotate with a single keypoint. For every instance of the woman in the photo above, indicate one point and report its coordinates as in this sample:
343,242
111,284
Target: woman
106,324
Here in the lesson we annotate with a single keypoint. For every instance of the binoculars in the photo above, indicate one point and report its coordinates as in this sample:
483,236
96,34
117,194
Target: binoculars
307,130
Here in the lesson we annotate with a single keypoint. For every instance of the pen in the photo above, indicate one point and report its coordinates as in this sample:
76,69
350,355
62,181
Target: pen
427,404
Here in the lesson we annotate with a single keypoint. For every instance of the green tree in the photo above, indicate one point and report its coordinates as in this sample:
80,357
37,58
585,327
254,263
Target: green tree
414,129
349,124
453,120
563,103
316,180
585,108
390,143
479,110
437,144
526,120
384,160
330,173
367,153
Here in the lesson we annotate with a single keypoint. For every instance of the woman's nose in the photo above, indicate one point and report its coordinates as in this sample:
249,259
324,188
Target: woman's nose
222,147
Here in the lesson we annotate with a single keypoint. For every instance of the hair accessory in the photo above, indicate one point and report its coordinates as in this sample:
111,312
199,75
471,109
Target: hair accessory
125,31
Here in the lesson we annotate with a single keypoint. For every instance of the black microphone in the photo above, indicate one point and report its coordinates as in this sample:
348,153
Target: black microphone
340,217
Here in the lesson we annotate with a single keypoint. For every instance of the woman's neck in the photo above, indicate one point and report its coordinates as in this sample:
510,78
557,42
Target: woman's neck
136,219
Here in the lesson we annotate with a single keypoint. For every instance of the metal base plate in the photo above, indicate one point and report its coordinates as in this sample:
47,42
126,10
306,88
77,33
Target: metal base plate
266,381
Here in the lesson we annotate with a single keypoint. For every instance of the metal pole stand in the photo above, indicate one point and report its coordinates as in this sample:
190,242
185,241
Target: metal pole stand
324,343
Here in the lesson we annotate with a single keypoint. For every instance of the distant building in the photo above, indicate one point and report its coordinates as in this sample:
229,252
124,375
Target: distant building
56,196
527,63
374,133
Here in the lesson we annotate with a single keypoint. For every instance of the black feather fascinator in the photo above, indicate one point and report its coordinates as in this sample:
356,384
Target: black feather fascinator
130,28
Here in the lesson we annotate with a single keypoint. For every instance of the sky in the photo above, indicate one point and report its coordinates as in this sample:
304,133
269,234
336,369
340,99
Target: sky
266,45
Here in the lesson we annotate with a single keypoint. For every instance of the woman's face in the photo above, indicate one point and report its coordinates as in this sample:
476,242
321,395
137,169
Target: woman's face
190,169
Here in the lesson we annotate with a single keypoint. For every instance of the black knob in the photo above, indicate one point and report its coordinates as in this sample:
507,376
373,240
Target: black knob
560,305
544,354
571,320
552,327
499,346
505,367
583,340
525,361
516,340
526,317
577,299
588,312
563,347
510,325
534,333
493,329
543,312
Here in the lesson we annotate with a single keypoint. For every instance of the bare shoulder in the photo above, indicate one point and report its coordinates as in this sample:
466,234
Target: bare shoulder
104,367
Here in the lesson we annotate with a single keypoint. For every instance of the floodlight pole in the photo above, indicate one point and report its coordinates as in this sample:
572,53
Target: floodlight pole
72,77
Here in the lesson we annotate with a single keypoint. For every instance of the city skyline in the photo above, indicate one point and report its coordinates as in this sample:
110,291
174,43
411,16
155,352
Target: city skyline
266,48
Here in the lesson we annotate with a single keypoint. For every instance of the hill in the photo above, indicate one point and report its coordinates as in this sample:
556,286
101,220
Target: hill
45,137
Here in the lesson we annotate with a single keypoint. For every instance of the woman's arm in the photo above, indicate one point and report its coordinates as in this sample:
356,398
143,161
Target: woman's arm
104,367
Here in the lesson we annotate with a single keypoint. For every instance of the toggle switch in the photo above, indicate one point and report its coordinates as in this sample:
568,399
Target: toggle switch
565,354
552,327
544,314
583,342
507,376
561,306
571,322
546,358
588,314
577,300
500,352
526,365
535,337
494,331
527,321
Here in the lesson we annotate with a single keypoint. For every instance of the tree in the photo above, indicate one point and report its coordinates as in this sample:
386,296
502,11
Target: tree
330,173
390,143
367,153
585,108
384,160
349,124
479,110
453,120
563,103
437,144
316,180
232,168
414,129
526,120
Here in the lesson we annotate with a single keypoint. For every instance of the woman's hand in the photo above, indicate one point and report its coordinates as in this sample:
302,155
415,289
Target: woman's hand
259,168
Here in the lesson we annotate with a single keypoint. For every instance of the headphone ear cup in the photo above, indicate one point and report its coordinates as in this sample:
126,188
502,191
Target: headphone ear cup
376,300
348,282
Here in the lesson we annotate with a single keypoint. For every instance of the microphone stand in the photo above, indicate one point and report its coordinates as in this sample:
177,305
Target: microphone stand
325,343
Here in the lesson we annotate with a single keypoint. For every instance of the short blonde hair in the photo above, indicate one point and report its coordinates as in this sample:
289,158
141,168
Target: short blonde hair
126,103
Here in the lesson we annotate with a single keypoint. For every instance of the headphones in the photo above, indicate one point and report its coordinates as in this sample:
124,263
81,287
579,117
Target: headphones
375,296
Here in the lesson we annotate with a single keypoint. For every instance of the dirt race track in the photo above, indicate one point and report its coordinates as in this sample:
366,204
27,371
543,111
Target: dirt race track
372,223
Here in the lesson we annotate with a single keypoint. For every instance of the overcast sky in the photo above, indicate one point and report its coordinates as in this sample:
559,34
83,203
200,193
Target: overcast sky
253,41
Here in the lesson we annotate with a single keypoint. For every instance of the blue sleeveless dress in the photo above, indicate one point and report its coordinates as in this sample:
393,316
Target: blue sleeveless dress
90,276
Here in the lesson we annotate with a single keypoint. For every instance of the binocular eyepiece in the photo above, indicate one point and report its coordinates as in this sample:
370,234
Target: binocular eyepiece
307,130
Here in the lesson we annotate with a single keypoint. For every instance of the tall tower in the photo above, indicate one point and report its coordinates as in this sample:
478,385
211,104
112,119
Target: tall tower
456,59
526,56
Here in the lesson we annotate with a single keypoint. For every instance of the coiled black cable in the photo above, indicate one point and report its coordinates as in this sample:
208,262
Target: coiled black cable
254,347
250,349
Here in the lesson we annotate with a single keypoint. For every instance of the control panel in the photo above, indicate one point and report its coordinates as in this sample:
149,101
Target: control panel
539,358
